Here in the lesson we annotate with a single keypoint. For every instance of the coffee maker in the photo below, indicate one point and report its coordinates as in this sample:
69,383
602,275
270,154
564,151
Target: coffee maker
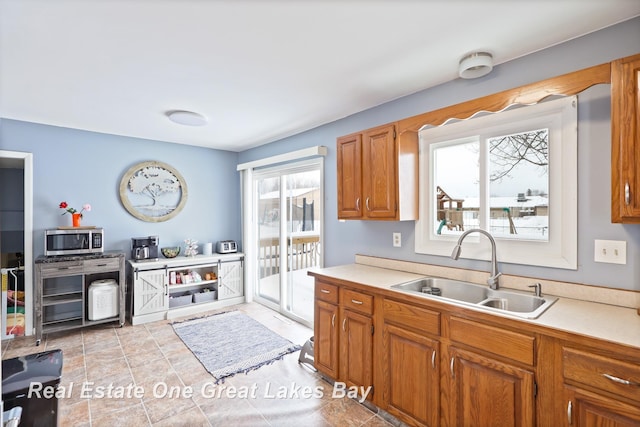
143,248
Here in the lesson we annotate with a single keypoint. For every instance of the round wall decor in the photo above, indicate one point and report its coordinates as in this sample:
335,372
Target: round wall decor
153,191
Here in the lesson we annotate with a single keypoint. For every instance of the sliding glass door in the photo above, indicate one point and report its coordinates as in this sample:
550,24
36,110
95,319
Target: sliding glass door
288,225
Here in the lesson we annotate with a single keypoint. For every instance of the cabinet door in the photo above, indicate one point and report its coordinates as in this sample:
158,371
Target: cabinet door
625,140
379,172
412,382
356,341
150,292
325,347
230,281
349,159
490,393
585,409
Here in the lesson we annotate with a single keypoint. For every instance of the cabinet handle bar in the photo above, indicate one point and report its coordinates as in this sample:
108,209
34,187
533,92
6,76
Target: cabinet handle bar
620,380
344,324
569,413
453,374
355,301
324,291
367,203
627,193
433,359
333,320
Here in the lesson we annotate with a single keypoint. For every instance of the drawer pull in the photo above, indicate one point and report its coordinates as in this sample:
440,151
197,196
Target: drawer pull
570,413
324,291
620,380
355,301
101,265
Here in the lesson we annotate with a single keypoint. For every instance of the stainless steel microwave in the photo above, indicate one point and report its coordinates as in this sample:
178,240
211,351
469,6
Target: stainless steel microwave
75,241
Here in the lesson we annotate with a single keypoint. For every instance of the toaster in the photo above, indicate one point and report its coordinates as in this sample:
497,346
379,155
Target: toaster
226,247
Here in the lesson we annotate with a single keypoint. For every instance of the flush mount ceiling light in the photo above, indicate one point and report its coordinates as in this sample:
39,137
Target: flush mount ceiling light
476,64
187,118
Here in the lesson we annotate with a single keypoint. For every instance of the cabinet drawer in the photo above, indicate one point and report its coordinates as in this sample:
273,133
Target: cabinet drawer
601,372
64,268
357,301
327,292
411,316
515,346
98,265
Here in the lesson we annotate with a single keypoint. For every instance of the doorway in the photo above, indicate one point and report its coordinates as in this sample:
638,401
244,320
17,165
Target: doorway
16,243
288,236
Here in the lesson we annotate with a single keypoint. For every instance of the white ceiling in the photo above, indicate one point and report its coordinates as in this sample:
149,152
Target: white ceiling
258,70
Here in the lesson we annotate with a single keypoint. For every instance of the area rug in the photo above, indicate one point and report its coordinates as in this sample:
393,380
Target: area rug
232,342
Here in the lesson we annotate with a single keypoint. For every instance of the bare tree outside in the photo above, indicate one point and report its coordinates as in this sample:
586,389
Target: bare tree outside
510,150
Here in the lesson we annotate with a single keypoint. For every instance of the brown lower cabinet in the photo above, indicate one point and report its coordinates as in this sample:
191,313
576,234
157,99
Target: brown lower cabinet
434,364
487,392
343,336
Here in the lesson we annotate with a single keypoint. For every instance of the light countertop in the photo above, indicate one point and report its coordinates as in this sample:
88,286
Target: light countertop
602,321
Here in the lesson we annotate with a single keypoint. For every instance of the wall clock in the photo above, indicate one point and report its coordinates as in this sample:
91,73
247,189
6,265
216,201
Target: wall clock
153,191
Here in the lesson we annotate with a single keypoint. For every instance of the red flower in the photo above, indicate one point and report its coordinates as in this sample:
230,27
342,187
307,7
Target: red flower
63,205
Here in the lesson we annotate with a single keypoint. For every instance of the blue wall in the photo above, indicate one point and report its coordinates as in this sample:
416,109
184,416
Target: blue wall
86,167
344,239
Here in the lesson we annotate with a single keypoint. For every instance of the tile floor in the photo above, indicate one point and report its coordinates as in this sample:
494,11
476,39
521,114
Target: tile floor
151,356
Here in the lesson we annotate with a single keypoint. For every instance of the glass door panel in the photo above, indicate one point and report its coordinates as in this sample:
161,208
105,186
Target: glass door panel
303,241
268,235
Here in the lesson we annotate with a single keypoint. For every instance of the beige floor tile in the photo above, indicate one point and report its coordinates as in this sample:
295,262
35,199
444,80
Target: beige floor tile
133,416
152,357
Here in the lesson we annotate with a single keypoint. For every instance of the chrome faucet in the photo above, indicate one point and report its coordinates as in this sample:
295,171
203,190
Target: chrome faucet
493,279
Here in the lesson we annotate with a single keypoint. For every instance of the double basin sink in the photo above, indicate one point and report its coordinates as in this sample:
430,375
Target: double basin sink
514,303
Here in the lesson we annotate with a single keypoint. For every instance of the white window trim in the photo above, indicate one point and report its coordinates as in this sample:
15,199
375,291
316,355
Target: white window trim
560,251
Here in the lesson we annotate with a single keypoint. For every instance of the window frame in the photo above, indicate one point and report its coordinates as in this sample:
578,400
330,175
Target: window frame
560,251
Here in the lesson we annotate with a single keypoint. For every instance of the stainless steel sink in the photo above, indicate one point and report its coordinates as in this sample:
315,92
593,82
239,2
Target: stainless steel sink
481,297
449,289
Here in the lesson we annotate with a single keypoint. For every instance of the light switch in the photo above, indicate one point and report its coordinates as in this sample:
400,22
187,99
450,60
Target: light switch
611,251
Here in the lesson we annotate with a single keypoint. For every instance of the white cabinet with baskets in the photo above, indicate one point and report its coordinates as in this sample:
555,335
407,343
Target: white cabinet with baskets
174,287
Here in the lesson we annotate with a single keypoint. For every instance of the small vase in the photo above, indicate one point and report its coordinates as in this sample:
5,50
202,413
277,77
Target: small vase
75,218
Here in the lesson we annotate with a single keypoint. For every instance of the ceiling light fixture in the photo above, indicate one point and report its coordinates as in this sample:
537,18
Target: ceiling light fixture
476,64
187,118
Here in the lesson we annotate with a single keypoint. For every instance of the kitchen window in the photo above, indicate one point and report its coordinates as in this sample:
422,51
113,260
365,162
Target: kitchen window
513,174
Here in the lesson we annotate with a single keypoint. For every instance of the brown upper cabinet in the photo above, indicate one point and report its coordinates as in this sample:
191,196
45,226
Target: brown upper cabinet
377,175
625,140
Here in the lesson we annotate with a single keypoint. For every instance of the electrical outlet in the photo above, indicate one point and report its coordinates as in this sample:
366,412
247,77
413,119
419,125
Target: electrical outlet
611,251
397,240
